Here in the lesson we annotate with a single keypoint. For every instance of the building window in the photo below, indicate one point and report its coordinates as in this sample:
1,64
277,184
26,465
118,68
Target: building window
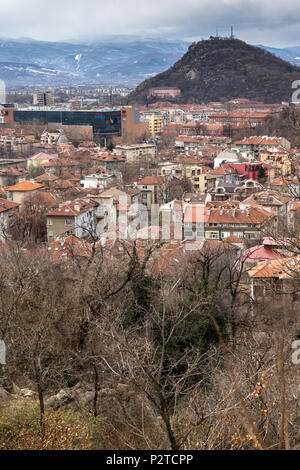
225,234
69,222
49,222
214,235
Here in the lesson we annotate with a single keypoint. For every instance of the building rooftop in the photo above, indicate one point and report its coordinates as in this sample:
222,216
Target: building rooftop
25,186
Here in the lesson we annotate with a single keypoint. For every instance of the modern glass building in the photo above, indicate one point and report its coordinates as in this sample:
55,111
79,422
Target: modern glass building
105,123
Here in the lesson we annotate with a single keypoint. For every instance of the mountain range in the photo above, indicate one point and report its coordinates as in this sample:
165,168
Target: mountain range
123,60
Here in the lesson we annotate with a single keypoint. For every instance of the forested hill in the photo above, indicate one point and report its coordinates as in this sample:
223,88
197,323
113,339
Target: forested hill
220,69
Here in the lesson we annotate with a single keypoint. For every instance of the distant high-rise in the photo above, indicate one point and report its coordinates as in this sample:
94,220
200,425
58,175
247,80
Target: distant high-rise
42,98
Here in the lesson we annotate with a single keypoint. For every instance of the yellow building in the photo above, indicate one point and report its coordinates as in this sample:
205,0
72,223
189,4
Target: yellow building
155,121
195,173
40,159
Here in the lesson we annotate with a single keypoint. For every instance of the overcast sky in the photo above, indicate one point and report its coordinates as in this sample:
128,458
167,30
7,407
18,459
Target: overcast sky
270,22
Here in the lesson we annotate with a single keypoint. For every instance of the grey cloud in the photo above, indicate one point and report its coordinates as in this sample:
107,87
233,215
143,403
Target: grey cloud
270,22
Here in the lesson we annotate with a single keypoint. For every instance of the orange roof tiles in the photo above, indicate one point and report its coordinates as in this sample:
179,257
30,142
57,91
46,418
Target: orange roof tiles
279,268
25,186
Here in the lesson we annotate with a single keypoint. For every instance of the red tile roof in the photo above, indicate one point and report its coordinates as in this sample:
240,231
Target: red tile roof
259,253
6,205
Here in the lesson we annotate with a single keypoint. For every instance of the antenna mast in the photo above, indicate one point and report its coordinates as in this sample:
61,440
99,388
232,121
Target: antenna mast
231,35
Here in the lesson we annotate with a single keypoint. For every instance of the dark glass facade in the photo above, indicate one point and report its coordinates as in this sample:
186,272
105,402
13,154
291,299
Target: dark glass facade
104,123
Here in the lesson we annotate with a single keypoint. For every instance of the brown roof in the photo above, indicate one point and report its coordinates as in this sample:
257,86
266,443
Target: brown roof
10,171
6,205
225,216
59,162
268,197
70,247
72,209
151,180
223,171
44,156
260,140
46,177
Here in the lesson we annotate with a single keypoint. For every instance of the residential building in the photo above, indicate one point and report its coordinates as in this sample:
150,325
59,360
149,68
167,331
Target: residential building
49,137
194,172
42,98
220,221
15,144
247,188
272,201
260,143
99,180
276,280
134,153
41,158
72,218
7,210
23,190
249,170
155,120
152,189
165,92
12,175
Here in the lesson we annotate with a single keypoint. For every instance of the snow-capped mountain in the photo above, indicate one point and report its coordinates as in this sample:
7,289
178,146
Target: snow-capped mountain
113,60
290,54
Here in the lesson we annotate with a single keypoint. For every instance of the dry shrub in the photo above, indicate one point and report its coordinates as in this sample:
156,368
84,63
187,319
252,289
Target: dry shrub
65,429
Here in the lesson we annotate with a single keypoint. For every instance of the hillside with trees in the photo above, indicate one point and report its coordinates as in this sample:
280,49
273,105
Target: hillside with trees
220,69
286,124
148,360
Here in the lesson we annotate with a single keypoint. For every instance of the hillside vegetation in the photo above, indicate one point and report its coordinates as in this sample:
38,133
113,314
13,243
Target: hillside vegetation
222,69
